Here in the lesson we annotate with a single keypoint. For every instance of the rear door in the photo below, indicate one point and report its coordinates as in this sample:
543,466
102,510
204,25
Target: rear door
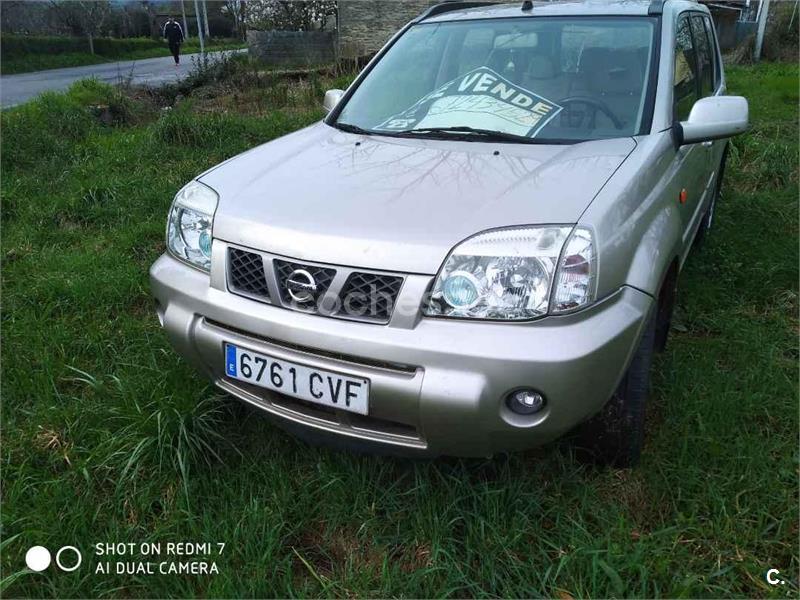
692,160
707,67
718,89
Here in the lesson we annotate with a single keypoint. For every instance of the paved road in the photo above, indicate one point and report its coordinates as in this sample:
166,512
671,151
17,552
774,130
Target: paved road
15,89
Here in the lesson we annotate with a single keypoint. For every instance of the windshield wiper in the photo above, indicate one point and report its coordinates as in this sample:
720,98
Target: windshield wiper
467,133
461,133
350,128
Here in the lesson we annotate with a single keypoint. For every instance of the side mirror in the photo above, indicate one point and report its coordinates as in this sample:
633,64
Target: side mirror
332,98
714,118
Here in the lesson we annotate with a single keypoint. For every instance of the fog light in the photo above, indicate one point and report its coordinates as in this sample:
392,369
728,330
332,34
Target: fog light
525,402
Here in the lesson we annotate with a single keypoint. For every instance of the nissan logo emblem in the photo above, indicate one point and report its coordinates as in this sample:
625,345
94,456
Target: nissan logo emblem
301,286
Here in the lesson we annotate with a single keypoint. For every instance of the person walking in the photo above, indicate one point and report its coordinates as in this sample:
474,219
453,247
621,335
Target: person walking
174,36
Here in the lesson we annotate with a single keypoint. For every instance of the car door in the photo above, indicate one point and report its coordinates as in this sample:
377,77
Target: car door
692,159
716,148
705,53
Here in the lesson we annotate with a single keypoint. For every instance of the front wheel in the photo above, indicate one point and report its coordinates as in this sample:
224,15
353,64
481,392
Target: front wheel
616,434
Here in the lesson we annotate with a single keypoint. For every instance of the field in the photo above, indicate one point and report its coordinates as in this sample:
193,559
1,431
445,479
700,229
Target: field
22,54
109,437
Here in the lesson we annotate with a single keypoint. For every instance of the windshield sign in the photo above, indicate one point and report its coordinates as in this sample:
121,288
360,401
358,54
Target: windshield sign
482,98
542,79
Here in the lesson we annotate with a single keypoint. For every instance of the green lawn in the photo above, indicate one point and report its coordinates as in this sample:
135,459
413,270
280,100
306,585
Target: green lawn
109,437
23,54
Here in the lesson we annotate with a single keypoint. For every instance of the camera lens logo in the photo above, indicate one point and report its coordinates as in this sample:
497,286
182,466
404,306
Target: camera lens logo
38,558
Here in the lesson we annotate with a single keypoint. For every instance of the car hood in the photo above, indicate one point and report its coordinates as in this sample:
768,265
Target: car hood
398,204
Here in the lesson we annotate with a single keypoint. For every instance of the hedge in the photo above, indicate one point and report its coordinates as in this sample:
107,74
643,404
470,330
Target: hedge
18,46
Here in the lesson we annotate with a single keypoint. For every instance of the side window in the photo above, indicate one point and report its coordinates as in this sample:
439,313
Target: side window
685,81
714,55
702,46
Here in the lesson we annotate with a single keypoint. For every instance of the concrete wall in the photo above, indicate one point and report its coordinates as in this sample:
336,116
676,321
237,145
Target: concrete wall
366,25
292,48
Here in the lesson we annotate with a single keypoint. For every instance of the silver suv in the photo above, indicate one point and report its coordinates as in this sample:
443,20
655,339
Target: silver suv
478,249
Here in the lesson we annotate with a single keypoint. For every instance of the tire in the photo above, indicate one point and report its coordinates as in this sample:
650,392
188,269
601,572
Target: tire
708,217
615,436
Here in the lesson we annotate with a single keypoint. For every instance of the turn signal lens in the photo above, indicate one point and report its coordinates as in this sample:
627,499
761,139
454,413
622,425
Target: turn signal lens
577,272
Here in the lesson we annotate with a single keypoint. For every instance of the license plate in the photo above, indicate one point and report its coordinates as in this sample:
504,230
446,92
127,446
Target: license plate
293,379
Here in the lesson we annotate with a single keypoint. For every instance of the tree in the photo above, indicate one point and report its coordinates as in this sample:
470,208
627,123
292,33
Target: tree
83,17
291,15
155,32
237,9
18,16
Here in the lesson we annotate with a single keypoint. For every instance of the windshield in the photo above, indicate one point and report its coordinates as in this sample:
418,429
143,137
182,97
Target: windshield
545,79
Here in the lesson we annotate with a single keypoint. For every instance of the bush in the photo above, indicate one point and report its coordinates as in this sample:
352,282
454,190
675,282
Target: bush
235,69
781,40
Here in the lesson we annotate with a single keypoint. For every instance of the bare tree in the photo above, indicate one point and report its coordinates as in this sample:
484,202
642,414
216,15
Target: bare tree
155,31
83,17
237,9
18,16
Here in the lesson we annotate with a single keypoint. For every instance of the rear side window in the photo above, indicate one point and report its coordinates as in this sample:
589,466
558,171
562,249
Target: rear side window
703,49
685,81
714,53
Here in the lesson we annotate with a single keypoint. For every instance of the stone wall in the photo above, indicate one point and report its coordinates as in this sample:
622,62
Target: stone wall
292,48
366,25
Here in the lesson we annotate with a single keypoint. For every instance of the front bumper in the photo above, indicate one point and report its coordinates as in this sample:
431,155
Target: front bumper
437,385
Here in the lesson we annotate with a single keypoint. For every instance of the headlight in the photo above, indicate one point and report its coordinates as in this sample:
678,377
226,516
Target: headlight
511,274
189,225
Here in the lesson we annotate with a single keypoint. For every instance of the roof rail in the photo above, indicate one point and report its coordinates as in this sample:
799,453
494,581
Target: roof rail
656,8
448,6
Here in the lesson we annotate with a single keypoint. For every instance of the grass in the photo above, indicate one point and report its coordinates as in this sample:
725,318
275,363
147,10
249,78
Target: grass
23,54
110,437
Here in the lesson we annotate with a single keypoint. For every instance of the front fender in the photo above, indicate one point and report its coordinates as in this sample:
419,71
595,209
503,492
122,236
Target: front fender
638,227
659,247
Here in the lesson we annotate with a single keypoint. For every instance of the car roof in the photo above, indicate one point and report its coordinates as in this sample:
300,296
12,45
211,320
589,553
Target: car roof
553,9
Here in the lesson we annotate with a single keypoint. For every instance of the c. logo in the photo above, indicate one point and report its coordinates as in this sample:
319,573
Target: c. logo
773,579
301,286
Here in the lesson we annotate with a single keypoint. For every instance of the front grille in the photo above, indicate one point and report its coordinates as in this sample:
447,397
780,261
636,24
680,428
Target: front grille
359,295
370,296
246,272
321,276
